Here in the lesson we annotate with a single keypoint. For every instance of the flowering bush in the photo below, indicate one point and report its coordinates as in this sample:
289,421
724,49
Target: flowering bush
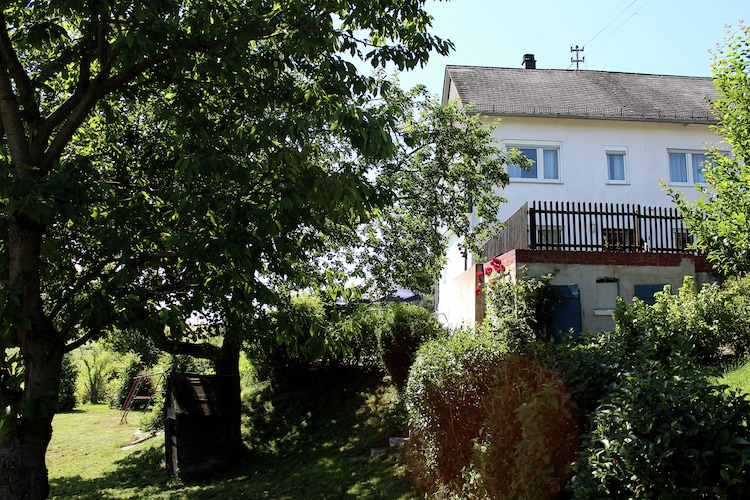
495,267
517,311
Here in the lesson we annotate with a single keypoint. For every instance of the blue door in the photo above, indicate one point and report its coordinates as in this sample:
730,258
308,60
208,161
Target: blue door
566,315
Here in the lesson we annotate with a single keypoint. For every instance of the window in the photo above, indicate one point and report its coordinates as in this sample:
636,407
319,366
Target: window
616,166
682,238
607,290
545,163
548,237
686,167
617,240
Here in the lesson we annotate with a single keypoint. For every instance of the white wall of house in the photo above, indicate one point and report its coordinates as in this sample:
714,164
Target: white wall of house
583,147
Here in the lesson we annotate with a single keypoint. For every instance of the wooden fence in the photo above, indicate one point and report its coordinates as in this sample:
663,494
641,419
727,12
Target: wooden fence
592,227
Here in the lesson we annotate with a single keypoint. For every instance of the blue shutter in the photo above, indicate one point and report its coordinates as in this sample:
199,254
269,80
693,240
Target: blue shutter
646,292
566,316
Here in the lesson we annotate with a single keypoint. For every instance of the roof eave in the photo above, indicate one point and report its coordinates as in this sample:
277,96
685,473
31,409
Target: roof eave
656,116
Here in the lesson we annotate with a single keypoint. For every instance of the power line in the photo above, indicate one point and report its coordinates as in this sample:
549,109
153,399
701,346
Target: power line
621,24
610,23
605,16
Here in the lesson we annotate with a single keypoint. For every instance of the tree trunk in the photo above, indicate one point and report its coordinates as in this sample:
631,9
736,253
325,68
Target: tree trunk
228,365
28,425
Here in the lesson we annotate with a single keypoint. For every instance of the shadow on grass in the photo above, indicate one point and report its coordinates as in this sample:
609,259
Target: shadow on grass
313,441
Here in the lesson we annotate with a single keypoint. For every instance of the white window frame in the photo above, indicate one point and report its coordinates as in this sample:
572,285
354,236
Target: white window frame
688,165
617,151
540,146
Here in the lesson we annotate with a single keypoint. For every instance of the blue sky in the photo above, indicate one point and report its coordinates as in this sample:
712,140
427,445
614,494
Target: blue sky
670,37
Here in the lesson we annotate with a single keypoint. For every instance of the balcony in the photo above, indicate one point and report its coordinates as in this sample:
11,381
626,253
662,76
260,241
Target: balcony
592,227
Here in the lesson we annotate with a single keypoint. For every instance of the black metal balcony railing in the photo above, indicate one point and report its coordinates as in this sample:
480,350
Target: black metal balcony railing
592,227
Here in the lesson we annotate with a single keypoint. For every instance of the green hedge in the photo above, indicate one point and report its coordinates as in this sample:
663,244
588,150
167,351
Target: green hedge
484,422
662,435
403,329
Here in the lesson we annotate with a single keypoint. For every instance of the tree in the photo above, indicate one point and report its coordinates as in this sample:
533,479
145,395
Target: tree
720,216
98,368
110,222
442,182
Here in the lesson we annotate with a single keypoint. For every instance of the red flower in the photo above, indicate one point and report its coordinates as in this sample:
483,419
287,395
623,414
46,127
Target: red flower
488,270
499,268
480,275
478,291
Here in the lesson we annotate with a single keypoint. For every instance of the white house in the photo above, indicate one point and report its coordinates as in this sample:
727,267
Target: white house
598,139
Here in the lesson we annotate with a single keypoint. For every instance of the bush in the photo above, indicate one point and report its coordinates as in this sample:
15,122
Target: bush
661,435
693,326
486,423
66,399
154,419
403,329
305,330
364,347
518,311
656,426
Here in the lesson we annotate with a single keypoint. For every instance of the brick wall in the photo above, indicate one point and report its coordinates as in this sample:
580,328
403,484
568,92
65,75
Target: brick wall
604,258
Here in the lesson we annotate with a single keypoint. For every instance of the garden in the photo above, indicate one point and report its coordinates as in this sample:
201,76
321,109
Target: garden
656,408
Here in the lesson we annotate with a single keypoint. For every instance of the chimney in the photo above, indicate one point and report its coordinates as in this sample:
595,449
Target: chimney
528,61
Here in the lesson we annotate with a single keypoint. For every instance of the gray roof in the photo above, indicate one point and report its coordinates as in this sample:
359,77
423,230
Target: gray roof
583,94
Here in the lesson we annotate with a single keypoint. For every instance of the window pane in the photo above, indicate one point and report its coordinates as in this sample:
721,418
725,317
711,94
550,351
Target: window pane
529,153
616,166
698,160
677,167
551,164
516,172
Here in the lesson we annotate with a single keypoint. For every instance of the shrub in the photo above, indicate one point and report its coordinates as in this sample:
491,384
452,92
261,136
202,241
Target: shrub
299,332
693,326
662,435
154,419
362,323
66,399
487,423
588,365
403,329
518,311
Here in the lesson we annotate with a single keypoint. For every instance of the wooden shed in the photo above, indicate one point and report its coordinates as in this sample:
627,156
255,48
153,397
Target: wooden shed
195,426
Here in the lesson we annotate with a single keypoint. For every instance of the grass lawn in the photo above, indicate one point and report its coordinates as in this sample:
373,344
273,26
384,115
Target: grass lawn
737,377
311,442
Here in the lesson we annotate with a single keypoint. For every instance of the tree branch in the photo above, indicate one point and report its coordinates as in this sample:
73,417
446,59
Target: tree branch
65,109
11,117
78,112
203,350
17,72
91,335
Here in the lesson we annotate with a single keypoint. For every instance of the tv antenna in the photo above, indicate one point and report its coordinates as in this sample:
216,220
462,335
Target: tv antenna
578,58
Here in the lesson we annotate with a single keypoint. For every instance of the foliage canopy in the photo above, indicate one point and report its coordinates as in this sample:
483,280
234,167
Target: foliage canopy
720,217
